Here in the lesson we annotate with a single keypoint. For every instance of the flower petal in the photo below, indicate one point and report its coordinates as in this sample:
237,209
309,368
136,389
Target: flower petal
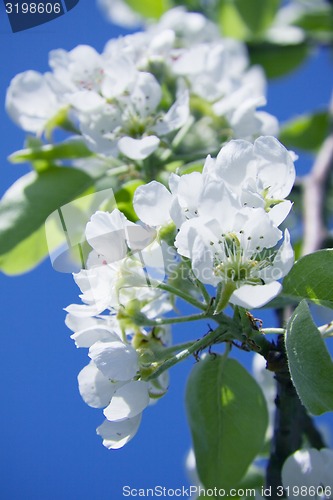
128,401
283,261
105,232
276,169
176,117
254,296
115,359
116,434
95,389
138,149
152,203
89,336
302,468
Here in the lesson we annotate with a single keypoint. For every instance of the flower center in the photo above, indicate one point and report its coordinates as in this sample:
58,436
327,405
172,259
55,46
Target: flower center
233,261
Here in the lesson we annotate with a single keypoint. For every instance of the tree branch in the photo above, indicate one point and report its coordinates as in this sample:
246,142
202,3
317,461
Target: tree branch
314,195
292,421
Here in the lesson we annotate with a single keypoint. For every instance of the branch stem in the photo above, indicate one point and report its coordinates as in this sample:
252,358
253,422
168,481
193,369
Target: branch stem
183,295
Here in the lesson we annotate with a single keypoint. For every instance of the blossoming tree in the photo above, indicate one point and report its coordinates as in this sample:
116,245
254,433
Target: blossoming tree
160,180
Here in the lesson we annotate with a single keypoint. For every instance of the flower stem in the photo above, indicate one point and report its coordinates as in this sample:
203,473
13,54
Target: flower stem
278,331
325,330
224,296
179,293
180,319
199,345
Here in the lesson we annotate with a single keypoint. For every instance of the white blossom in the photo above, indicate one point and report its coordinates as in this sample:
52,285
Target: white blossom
31,102
309,468
228,218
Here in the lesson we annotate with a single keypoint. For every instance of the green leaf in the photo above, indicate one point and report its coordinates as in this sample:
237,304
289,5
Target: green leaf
309,361
246,19
278,60
151,9
26,255
26,205
49,153
228,418
124,199
306,132
318,24
230,21
311,278
258,15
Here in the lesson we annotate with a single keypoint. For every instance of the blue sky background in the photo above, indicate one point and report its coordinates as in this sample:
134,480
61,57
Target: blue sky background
48,445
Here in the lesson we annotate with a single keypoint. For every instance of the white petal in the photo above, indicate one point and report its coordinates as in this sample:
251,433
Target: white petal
99,292
91,335
30,102
283,262
279,212
118,75
95,389
116,434
85,101
173,183
285,35
303,468
276,169
176,117
120,13
269,124
138,149
152,203
86,311
189,191
233,161
254,296
139,236
106,234
128,401
327,478
146,95
260,230
115,359
76,324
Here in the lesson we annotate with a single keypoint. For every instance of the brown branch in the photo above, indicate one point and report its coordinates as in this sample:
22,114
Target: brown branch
314,195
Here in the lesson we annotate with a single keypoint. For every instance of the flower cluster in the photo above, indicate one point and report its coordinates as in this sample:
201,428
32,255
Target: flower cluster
134,99
228,219
114,289
223,222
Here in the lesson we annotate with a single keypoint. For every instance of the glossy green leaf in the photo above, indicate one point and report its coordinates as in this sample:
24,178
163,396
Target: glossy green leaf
311,278
310,364
151,9
278,60
306,132
228,418
124,199
26,205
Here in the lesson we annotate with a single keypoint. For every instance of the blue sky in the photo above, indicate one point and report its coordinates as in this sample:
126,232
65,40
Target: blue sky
49,449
